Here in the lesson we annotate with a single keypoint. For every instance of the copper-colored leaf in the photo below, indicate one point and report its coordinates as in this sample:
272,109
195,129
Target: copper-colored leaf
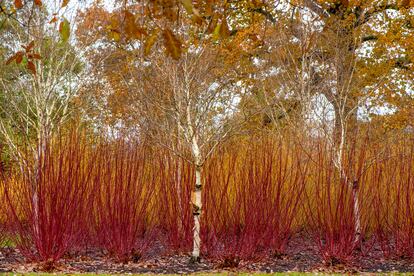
224,29
65,3
130,28
150,42
197,19
19,57
172,44
18,4
11,59
29,46
31,66
53,20
34,56
209,7
38,3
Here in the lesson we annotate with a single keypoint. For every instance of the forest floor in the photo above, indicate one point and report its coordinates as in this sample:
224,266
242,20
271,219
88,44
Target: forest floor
301,256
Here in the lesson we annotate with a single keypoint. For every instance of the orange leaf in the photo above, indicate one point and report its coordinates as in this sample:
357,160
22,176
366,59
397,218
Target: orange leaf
172,44
18,4
130,26
31,67
53,20
38,3
18,57
65,3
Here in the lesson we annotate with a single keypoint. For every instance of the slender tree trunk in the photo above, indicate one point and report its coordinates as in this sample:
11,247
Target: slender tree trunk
197,215
343,132
36,178
196,200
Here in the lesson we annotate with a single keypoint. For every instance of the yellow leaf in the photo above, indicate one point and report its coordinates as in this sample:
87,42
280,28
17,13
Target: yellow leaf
150,42
216,32
115,35
64,29
188,5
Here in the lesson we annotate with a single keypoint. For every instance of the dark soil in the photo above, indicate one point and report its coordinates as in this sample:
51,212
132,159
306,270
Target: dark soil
301,256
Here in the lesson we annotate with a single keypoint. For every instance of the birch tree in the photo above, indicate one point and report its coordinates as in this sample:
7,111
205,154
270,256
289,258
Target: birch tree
192,101
38,92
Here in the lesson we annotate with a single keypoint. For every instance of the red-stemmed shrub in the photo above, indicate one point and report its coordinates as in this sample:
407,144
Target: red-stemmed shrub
124,182
330,210
47,210
174,196
394,201
252,198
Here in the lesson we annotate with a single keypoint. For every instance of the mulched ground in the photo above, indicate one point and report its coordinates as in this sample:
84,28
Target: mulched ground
301,256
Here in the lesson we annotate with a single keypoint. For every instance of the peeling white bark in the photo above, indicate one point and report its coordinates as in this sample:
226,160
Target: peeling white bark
197,214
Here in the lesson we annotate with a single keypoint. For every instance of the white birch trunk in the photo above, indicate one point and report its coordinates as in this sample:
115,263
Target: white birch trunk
197,214
197,203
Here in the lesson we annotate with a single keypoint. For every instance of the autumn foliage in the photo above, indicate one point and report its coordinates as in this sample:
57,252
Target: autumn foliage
234,131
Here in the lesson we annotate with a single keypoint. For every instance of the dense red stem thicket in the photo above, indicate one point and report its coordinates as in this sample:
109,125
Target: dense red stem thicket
174,196
251,200
124,183
393,178
330,209
132,200
49,203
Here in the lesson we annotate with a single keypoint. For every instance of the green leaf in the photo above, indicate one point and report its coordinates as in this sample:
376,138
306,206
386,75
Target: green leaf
64,29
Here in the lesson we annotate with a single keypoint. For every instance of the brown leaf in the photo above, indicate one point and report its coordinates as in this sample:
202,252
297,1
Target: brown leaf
65,3
31,66
172,44
131,29
18,4
224,28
